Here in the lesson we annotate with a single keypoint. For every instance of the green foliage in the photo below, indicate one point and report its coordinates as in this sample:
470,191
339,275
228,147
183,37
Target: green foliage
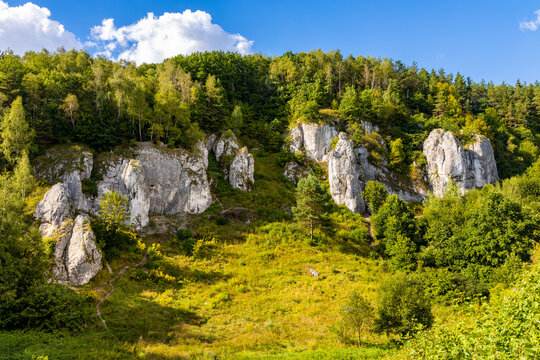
397,155
507,327
26,299
395,230
477,232
112,232
16,133
357,317
403,306
312,201
349,106
187,241
375,195
46,307
114,210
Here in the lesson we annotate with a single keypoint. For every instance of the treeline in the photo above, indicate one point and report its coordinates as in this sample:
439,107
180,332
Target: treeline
70,96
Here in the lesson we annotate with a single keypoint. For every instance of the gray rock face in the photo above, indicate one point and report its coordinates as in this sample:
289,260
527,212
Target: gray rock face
448,160
344,174
54,207
127,178
73,184
368,127
483,162
314,139
238,165
77,258
176,179
242,170
82,257
227,145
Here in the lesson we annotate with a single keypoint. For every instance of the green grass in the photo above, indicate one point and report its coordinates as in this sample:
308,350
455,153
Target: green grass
246,294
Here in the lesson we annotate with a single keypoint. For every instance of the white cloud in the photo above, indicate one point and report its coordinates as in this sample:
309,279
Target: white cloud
531,25
29,27
153,39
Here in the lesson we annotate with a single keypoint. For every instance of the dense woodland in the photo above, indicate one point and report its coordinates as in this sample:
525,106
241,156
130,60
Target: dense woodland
445,251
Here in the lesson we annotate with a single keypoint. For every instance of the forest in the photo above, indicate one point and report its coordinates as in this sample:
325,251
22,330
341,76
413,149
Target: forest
452,277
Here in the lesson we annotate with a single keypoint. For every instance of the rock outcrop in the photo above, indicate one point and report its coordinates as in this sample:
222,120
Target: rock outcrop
226,145
448,161
176,179
343,176
154,179
313,139
242,170
126,177
54,207
77,258
238,165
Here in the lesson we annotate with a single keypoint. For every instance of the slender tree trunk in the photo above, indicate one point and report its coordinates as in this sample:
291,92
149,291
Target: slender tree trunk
311,228
140,131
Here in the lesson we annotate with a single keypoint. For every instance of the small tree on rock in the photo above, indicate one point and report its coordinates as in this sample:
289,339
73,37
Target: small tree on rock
114,210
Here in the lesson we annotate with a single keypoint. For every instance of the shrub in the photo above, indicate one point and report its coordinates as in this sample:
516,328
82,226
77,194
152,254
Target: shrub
403,308
187,241
356,319
46,307
375,194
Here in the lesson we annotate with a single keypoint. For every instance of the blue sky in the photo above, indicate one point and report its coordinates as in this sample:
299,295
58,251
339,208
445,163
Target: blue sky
480,39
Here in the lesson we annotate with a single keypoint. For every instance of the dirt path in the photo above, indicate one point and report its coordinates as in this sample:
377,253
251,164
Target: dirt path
111,282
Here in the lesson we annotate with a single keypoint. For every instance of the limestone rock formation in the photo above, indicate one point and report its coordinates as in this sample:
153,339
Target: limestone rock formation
127,178
343,176
242,170
314,139
54,207
226,145
176,179
157,180
448,160
238,165
76,256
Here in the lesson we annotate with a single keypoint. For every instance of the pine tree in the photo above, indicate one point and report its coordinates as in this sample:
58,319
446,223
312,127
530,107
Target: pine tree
311,203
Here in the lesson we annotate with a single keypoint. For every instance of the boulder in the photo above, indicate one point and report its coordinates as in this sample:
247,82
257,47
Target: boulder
313,139
242,170
343,176
448,161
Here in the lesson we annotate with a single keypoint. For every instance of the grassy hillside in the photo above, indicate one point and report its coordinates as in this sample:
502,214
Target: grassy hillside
238,287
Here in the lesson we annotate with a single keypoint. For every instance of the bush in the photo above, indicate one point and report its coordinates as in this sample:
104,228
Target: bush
403,308
187,241
375,194
46,307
